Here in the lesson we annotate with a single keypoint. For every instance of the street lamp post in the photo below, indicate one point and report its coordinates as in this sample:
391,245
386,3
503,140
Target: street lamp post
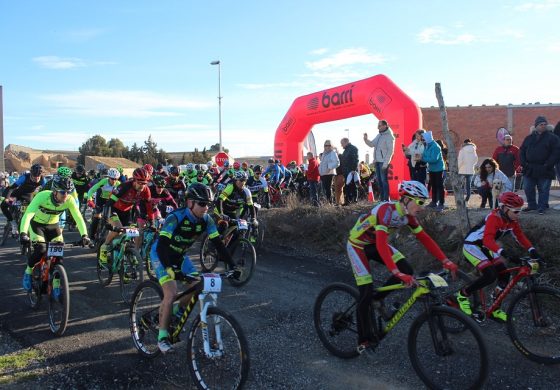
219,102
347,133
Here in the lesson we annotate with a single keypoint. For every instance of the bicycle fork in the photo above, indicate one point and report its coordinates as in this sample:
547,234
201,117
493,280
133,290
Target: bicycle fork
207,300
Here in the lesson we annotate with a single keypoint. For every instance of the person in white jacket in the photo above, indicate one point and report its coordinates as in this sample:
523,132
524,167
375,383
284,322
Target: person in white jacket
384,146
488,177
467,159
327,169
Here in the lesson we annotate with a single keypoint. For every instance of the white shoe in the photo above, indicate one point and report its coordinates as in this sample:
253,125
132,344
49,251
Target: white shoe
165,346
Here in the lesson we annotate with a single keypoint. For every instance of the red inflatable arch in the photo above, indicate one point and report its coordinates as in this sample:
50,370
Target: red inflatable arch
377,95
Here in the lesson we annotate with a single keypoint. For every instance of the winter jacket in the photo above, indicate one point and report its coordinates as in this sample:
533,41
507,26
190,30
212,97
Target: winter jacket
313,170
384,145
467,159
416,148
508,159
433,156
349,160
538,154
329,163
497,174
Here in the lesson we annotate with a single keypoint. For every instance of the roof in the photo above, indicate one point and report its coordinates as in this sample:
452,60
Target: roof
111,162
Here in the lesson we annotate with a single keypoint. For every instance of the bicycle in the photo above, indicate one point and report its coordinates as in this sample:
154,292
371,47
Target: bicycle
123,259
218,354
149,234
17,209
242,250
47,274
434,351
533,314
255,232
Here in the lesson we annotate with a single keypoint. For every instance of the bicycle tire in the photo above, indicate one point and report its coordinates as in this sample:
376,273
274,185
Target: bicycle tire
465,353
539,342
336,322
131,274
59,310
34,297
6,233
244,256
104,272
148,264
231,368
144,318
208,255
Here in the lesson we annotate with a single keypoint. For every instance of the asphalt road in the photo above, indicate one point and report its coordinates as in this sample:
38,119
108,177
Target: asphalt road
274,309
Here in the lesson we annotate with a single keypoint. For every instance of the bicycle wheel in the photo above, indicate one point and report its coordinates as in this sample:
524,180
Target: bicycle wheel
104,271
34,297
334,315
59,309
144,318
130,274
534,324
227,364
244,256
447,360
6,233
148,264
208,255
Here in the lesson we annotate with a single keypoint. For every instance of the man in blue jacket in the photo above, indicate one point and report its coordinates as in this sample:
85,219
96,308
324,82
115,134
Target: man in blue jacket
434,158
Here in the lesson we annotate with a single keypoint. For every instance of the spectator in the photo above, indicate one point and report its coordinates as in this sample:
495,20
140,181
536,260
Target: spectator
489,176
349,165
467,161
365,173
415,149
312,175
384,146
507,156
339,184
539,154
433,157
556,131
327,169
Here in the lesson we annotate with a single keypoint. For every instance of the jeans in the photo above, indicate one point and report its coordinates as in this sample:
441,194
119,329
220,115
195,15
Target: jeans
438,191
486,196
543,187
382,181
326,181
468,179
313,192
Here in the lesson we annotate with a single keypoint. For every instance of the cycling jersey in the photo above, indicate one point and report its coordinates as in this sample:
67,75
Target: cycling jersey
125,196
204,180
175,186
276,174
256,185
104,189
81,183
233,199
158,203
24,187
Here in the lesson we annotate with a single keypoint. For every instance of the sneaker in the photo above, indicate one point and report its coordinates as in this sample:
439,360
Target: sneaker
164,345
103,255
499,315
27,282
464,303
527,209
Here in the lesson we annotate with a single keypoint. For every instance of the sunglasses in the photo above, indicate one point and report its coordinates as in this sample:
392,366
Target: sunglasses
142,183
515,211
327,145
418,201
160,186
201,204
62,192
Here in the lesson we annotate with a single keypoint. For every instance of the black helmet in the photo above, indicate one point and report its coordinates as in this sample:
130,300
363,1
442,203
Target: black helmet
200,192
159,166
174,170
61,183
271,161
80,169
36,170
91,172
257,169
159,180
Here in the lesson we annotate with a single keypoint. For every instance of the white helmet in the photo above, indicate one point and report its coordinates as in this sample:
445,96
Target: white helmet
209,164
414,189
113,173
203,168
190,166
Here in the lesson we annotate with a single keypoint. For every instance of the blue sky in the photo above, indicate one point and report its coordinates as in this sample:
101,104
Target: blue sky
127,69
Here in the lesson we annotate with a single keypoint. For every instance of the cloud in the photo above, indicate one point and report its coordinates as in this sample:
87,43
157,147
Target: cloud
121,103
55,62
537,5
319,52
440,36
346,57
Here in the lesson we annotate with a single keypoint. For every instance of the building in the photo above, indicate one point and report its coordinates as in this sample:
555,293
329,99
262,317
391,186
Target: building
127,165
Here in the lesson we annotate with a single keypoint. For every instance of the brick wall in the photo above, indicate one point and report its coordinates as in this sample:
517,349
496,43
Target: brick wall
480,123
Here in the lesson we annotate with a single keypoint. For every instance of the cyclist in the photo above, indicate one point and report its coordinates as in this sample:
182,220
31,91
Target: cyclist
41,219
22,189
161,198
160,170
369,240
175,184
102,190
190,172
245,166
483,252
81,182
180,230
199,178
236,199
120,204
257,184
275,172
149,168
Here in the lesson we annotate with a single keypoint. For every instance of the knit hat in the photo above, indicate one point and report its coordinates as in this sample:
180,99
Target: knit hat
540,119
428,137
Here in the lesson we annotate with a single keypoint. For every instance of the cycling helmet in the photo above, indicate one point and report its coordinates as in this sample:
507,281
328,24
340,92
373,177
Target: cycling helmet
64,172
226,164
413,189
236,165
174,171
80,169
511,200
203,168
244,164
293,163
113,173
200,192
276,161
271,161
209,164
240,175
149,168
100,166
257,169
141,174
61,183
196,167
91,172
159,180
104,172
36,170
190,166
159,167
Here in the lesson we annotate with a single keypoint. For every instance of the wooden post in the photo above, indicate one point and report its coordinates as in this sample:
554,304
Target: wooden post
455,179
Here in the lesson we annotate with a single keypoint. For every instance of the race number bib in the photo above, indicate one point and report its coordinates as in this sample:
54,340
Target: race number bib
132,232
242,224
55,249
212,283
437,280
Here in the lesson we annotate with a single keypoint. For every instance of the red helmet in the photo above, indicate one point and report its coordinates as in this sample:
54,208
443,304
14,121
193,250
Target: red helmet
511,199
149,168
236,165
141,174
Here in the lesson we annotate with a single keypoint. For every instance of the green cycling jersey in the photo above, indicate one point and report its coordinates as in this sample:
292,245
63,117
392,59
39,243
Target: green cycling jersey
106,188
